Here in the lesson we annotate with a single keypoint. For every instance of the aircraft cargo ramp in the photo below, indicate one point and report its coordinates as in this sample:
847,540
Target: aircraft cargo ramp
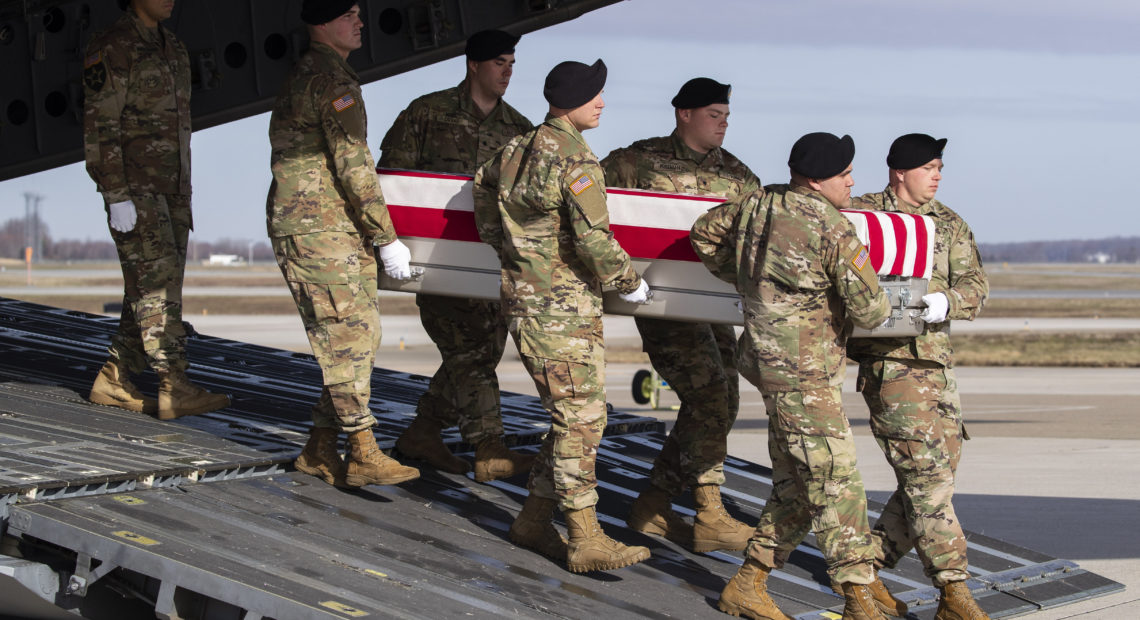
114,514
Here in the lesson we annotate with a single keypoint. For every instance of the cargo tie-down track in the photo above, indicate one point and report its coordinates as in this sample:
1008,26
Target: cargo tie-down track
104,509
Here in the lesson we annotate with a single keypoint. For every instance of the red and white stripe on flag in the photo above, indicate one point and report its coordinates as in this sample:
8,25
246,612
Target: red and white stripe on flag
901,244
649,225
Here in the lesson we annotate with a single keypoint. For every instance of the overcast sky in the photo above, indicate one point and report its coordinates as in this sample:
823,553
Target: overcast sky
1039,100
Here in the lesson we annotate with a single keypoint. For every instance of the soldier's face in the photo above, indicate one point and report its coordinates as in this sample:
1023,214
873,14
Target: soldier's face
837,189
703,129
589,115
493,76
344,34
919,185
153,11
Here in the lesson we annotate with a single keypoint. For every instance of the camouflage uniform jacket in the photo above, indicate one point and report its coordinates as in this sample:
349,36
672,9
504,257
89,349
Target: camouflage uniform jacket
801,270
667,164
136,117
957,272
324,178
445,132
540,202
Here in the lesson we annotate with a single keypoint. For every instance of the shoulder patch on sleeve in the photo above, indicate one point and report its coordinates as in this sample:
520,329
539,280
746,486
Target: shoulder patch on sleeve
94,72
583,183
344,102
860,258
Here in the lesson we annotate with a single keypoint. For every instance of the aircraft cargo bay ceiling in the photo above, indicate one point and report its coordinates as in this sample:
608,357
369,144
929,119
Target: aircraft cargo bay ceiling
240,50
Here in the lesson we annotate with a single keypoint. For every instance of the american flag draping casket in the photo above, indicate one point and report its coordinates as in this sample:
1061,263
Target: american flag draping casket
434,215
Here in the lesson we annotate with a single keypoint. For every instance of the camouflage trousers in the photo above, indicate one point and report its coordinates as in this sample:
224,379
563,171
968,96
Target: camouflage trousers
153,259
471,335
565,356
916,417
815,484
332,276
698,360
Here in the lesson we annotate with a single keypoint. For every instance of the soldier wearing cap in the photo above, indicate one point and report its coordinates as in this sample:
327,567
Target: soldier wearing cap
801,272
454,131
541,203
698,360
910,388
136,127
325,214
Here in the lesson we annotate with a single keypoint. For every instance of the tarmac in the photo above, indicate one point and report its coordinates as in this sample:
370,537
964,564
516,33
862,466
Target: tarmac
1053,463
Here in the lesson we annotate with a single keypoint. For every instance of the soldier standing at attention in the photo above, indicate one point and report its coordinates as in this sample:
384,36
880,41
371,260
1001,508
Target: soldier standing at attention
324,214
801,272
136,126
910,388
541,203
454,131
698,360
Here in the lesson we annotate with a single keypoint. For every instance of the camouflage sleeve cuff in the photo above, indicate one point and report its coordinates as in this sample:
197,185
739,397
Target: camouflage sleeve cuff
118,195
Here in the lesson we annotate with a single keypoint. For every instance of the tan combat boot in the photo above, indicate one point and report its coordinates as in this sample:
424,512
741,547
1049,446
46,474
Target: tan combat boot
590,549
886,601
956,603
113,388
858,604
713,528
178,397
652,513
368,465
534,529
421,441
493,460
320,457
747,594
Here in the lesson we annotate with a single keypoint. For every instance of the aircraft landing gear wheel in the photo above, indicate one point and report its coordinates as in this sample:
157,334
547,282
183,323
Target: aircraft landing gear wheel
642,386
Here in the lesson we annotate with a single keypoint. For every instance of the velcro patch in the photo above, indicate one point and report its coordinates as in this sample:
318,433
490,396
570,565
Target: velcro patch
860,259
343,103
583,183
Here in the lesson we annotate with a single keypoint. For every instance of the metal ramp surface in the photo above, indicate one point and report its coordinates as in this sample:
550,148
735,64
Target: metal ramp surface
201,517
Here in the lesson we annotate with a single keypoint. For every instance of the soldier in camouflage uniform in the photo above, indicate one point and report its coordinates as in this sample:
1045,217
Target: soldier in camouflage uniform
801,271
454,131
541,203
910,388
325,213
136,124
698,360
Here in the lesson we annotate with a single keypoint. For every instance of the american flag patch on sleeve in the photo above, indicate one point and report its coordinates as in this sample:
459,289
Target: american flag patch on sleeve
860,258
93,60
583,183
344,103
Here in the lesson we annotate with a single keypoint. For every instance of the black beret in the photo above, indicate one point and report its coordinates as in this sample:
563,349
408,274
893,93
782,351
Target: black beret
914,150
572,84
317,12
821,155
123,4
700,92
488,44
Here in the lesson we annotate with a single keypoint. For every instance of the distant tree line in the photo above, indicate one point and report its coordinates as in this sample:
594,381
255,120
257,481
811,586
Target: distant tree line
13,241
1111,250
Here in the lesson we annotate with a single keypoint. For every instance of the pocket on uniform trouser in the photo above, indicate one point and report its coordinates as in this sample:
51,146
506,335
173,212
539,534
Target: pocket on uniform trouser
830,464
566,363
324,284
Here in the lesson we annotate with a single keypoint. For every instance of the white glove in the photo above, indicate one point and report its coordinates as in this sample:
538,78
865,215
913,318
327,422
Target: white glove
936,308
640,296
397,260
123,216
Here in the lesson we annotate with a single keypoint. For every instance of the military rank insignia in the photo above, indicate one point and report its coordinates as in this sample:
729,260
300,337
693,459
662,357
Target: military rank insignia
94,72
344,103
583,183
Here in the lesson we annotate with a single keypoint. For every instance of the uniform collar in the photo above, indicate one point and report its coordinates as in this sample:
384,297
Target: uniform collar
561,124
810,193
898,204
683,151
155,36
467,102
325,50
